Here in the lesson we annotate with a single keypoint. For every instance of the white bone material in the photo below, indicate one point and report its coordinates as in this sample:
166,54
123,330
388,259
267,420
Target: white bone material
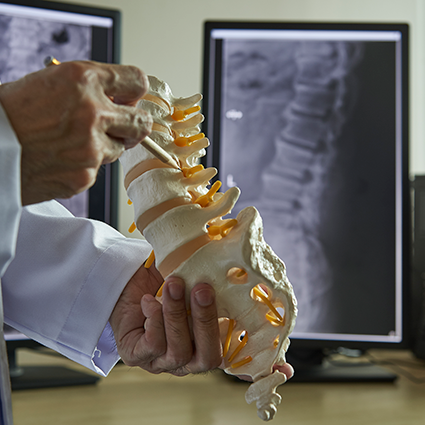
182,218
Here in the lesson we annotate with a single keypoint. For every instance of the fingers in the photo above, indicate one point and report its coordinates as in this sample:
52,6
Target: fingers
128,125
208,352
153,344
183,354
176,325
126,84
166,345
70,119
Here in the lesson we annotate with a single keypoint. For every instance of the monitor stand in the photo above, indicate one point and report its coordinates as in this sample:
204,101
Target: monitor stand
313,366
32,377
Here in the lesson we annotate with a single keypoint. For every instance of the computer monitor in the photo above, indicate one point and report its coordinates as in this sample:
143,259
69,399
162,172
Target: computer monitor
310,121
29,32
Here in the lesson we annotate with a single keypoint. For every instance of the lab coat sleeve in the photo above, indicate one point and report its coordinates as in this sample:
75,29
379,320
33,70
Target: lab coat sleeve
64,281
10,191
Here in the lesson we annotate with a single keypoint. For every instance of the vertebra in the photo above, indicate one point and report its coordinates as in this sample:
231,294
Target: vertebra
183,221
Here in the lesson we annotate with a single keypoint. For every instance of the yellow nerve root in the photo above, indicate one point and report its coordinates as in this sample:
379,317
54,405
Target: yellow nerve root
239,347
181,115
228,337
159,293
278,319
129,202
132,228
242,362
150,260
189,172
182,142
204,200
224,229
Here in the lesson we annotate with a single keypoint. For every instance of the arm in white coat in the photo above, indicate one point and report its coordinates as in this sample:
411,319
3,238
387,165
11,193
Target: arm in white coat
64,281
10,191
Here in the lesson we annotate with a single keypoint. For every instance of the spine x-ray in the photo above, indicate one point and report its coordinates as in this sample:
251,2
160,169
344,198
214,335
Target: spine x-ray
308,134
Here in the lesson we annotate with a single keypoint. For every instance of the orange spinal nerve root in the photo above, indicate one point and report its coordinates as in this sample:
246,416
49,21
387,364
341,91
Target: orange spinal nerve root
204,200
228,337
224,229
276,317
189,172
150,260
159,293
181,115
241,345
242,362
187,141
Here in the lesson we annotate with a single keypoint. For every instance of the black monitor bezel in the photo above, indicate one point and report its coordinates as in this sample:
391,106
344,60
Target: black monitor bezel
213,155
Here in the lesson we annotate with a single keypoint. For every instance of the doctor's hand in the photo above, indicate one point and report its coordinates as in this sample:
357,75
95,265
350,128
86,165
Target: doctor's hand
158,338
70,119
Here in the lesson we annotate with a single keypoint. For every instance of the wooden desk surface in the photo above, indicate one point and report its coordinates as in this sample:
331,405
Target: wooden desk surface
131,396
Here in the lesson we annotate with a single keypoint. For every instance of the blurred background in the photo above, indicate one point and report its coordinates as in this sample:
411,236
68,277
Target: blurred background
165,39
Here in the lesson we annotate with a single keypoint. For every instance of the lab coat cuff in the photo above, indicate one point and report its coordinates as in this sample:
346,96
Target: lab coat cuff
114,268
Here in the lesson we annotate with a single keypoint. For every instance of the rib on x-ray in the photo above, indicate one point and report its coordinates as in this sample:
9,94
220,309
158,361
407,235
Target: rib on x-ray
284,104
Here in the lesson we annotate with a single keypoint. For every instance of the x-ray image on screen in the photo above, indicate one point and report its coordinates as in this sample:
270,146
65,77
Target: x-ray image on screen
296,119
25,42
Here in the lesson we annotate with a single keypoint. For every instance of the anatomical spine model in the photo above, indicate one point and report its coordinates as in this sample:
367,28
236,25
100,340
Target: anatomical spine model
180,215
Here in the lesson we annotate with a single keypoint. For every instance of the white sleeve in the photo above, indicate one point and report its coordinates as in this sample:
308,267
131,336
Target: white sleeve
10,191
64,281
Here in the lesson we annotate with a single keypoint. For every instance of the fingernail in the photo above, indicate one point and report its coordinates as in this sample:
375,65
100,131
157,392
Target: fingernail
204,297
176,290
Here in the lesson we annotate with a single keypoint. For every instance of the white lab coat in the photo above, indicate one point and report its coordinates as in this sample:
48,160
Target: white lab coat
61,275
64,281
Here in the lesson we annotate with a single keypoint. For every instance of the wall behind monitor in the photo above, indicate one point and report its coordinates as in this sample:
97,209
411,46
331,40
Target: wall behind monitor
165,38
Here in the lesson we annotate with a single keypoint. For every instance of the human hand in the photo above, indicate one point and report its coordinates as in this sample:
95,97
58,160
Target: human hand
161,338
70,119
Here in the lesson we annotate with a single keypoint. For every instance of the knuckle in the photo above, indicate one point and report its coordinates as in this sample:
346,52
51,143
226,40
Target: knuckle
207,319
180,360
84,121
88,113
141,80
176,320
143,120
176,324
140,124
77,72
156,351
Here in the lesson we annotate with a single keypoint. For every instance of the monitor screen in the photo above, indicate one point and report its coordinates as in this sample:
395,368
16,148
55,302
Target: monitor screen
29,32
310,122
32,30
